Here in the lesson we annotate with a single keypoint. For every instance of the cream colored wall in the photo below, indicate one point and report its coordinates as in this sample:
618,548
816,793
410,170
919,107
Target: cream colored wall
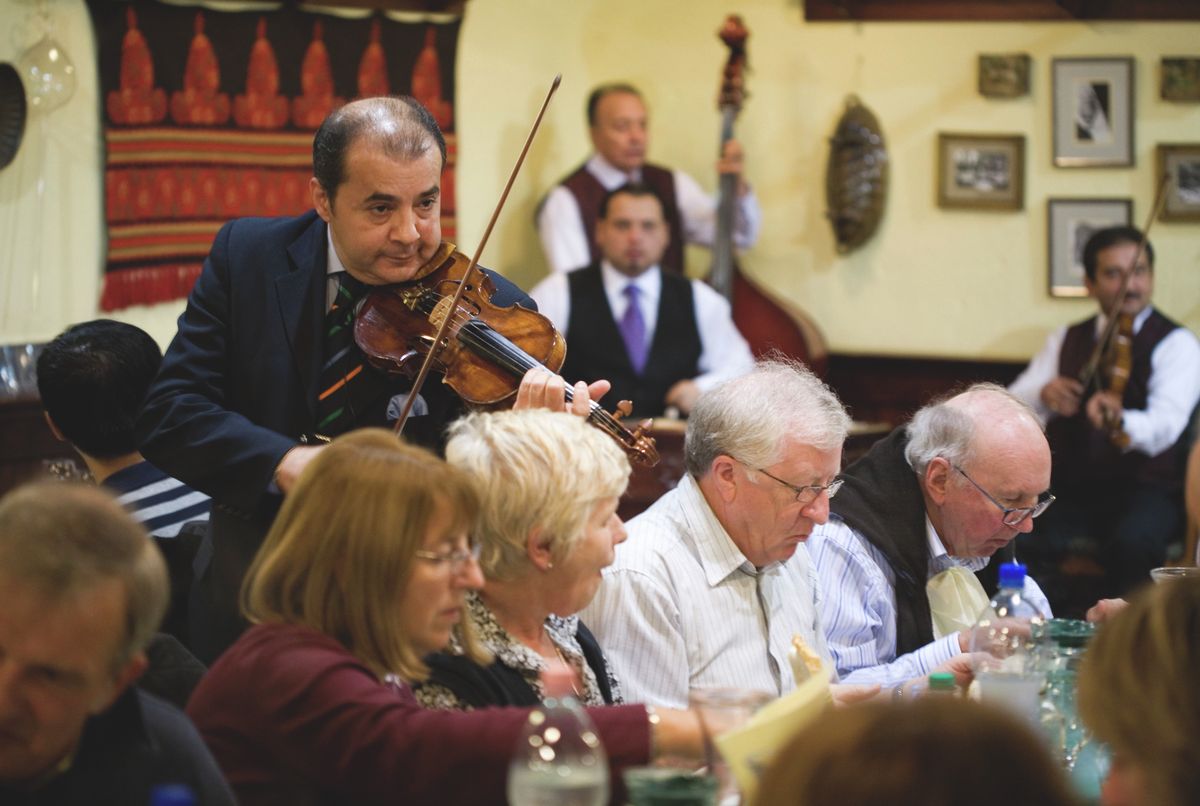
931,282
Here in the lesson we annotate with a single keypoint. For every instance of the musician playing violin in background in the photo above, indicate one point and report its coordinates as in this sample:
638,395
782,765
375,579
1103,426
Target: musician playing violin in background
660,338
619,129
264,357
1118,458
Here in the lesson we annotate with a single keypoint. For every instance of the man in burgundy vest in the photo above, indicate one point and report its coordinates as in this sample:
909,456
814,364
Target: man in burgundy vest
1127,499
660,338
566,218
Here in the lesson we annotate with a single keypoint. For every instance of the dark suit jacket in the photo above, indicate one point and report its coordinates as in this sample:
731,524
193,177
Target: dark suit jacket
238,387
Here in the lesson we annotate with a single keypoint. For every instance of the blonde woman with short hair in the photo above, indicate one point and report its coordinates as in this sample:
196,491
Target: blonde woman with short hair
548,486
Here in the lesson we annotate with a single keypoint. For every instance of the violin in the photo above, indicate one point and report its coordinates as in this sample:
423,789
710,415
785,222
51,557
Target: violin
1111,361
482,350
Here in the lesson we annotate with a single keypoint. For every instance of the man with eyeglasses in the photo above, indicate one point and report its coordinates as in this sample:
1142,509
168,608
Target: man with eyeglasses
714,583
1127,498
903,560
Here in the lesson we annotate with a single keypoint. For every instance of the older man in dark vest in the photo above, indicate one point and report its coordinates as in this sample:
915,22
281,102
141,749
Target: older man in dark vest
904,556
660,338
567,217
1118,459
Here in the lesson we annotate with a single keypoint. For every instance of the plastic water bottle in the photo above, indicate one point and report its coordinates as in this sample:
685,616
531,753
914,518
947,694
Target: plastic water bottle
1005,647
559,760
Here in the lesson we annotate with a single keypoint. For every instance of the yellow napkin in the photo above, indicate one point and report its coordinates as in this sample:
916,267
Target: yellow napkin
956,598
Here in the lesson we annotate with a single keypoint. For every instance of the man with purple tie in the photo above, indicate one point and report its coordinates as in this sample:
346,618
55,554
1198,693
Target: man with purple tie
660,338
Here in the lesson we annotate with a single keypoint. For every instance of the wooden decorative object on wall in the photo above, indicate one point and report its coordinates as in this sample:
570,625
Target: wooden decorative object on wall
856,177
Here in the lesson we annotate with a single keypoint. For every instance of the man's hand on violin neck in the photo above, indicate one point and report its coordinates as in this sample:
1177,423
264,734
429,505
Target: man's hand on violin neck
542,389
1062,396
1104,411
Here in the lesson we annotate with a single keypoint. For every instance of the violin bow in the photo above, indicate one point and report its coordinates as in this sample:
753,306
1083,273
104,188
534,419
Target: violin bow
1088,375
440,336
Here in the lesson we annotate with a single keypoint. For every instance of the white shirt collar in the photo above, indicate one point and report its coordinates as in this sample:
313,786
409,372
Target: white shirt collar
610,175
940,558
334,263
649,283
1138,321
719,556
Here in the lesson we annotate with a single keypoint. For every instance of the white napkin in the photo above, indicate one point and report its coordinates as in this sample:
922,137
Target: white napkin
956,598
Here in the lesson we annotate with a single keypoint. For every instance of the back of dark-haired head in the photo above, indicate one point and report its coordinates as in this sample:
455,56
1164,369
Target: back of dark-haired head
636,189
398,124
92,379
1111,236
607,89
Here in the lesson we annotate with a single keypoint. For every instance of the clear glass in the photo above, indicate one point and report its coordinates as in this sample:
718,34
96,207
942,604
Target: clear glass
1168,573
721,710
559,759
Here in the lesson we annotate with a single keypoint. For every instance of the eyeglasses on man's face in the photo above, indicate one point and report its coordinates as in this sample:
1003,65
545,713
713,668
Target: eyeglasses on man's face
1011,516
805,494
455,559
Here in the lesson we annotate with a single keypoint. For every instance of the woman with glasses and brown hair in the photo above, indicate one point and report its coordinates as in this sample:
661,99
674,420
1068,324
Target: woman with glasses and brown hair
363,573
549,486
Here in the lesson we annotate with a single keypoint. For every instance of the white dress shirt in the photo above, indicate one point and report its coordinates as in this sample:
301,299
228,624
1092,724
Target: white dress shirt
566,244
1174,386
859,611
682,607
724,354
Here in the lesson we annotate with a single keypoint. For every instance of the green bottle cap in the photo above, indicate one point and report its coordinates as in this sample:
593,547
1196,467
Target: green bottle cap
941,681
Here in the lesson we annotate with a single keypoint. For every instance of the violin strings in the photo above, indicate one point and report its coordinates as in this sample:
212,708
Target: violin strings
489,343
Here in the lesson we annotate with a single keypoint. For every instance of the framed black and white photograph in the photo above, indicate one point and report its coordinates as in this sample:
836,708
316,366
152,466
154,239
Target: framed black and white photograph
1093,112
1070,223
983,171
1181,163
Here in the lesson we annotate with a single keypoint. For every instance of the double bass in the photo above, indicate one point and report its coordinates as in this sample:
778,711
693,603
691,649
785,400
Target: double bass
765,321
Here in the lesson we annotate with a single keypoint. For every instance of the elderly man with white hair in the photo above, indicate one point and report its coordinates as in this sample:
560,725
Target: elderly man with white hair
918,517
714,582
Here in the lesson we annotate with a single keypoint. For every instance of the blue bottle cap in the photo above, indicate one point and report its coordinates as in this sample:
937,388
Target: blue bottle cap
1012,575
172,795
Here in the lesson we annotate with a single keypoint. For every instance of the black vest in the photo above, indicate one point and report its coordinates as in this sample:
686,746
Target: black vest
588,193
596,350
882,501
1085,458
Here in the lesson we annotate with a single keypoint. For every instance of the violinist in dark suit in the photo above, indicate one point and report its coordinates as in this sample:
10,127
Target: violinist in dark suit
264,354
661,339
1128,497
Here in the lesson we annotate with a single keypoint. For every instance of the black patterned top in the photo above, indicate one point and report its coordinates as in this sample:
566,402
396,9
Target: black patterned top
515,676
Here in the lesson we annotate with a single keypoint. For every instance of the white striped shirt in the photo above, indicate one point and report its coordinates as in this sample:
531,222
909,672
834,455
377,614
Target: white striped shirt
682,608
859,594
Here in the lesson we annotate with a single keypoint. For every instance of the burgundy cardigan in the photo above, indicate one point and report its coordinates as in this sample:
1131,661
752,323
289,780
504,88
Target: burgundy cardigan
292,717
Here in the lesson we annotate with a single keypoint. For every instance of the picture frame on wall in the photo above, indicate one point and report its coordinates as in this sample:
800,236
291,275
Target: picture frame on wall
1004,75
1070,222
1180,79
1181,161
1093,112
981,171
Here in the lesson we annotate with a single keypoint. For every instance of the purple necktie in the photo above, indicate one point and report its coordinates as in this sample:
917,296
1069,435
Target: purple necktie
633,330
